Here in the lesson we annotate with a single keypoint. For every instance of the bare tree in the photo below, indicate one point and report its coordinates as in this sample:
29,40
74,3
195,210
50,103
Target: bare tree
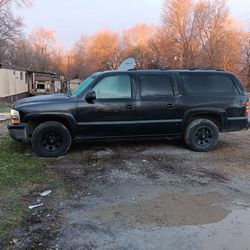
21,53
8,3
219,37
245,59
44,46
10,26
78,59
193,33
179,21
104,47
139,42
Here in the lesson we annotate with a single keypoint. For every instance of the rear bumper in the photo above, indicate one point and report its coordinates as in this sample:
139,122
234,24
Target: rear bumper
18,132
237,124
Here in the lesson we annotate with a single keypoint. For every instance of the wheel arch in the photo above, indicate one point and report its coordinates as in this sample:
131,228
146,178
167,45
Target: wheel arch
215,117
33,121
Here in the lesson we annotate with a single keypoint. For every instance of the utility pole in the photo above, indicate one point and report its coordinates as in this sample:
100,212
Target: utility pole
68,68
68,78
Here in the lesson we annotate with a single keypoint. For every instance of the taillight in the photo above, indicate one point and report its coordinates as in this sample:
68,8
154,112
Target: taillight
247,109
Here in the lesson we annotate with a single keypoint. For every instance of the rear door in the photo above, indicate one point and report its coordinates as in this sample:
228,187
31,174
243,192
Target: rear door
157,106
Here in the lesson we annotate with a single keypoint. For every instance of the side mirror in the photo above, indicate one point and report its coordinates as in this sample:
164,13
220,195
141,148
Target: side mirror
90,97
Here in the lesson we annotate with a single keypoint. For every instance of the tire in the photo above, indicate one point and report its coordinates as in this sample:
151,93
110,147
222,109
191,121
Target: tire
201,135
51,139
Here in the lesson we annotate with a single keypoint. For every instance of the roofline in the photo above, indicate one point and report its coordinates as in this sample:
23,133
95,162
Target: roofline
12,67
41,72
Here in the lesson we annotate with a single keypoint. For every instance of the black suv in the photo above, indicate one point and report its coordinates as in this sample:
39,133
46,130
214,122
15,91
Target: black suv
195,104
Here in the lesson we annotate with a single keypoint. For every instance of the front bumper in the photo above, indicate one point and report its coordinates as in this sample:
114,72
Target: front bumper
18,132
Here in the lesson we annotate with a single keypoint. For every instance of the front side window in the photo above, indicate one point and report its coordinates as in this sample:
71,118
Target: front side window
152,86
114,87
208,83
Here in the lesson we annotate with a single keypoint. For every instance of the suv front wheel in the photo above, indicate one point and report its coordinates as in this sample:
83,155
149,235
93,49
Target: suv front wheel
51,139
201,135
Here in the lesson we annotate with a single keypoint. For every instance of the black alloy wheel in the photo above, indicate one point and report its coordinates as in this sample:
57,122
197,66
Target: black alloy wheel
51,139
202,135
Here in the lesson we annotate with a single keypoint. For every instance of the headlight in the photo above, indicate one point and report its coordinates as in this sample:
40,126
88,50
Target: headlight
15,117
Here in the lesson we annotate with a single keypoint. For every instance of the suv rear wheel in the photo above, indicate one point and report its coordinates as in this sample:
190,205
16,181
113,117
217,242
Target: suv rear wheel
51,139
201,135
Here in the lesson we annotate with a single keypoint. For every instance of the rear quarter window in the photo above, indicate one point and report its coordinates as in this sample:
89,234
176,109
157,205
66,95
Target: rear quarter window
209,84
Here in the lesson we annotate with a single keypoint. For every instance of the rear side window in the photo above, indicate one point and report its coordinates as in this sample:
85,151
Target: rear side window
204,83
155,86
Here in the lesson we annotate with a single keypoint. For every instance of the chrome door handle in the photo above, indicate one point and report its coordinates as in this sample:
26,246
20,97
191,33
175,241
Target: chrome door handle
129,106
169,106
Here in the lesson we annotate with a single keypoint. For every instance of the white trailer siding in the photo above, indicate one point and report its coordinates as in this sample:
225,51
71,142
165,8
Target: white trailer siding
12,82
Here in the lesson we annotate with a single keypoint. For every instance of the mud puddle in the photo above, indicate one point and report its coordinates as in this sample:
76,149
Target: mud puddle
192,222
167,209
230,233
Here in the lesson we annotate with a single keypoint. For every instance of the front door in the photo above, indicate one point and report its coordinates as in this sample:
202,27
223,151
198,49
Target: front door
112,114
157,105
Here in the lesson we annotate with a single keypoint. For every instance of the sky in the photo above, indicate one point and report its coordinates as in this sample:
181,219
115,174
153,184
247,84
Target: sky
71,18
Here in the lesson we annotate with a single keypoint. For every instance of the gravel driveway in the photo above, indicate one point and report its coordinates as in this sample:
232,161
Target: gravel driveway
152,194
157,195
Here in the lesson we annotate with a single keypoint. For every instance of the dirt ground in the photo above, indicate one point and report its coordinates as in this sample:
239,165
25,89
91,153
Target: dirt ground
145,194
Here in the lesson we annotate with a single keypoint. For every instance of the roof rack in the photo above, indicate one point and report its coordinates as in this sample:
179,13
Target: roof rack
206,68
136,69
169,68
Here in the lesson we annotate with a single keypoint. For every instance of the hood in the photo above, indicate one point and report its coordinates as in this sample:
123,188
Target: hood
42,98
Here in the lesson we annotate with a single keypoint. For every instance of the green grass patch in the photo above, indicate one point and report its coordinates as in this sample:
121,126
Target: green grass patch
20,176
12,216
17,169
5,108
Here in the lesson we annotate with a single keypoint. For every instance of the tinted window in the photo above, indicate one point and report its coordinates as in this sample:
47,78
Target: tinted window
155,86
203,83
113,87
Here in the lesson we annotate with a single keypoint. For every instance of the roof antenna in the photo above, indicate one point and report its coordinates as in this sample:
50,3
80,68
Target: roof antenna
110,65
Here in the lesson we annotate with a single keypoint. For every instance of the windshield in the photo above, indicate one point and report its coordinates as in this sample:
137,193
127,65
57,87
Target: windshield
83,86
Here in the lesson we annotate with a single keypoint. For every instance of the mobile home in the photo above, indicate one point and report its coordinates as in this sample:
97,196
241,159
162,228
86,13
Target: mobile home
13,83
